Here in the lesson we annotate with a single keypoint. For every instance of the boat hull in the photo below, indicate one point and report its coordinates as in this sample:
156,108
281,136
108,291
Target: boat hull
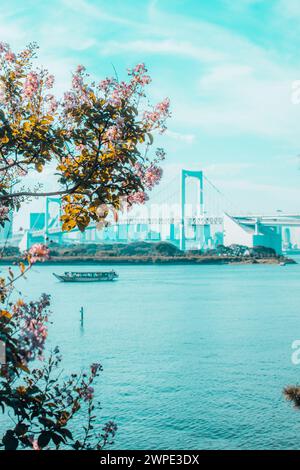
63,278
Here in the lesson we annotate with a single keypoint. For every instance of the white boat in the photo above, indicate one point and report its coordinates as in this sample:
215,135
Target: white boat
102,276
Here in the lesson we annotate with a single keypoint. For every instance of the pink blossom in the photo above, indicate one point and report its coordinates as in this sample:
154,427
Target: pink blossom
3,47
138,169
142,79
124,90
163,107
80,68
105,84
156,118
77,82
18,69
69,100
49,81
140,197
115,99
86,392
31,84
22,172
95,367
80,147
152,176
3,212
38,252
10,56
113,133
145,80
35,444
139,75
33,329
140,68
3,97
53,104
89,393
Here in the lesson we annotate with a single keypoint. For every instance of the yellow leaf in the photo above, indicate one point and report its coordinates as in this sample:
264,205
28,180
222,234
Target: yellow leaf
22,267
24,368
68,225
5,139
6,314
39,167
27,126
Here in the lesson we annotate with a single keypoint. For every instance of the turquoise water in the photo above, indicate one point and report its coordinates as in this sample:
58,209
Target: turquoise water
194,357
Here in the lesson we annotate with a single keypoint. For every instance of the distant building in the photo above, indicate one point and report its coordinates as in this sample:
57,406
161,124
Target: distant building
7,231
250,232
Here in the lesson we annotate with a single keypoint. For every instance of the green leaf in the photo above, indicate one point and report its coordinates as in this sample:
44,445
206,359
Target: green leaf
10,441
44,438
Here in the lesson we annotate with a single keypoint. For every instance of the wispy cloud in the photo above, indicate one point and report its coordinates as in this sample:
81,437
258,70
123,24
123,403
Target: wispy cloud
96,12
230,169
184,49
186,138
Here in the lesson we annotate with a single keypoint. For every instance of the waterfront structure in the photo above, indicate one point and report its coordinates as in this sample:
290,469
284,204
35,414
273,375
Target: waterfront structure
251,231
204,226
7,231
193,228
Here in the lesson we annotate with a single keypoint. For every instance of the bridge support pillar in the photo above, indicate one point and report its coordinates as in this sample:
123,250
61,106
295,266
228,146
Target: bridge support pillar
200,209
172,232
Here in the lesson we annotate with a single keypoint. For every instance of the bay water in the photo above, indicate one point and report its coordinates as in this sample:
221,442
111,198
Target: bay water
194,357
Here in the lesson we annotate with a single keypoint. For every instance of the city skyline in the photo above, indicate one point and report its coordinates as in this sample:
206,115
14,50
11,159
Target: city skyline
234,118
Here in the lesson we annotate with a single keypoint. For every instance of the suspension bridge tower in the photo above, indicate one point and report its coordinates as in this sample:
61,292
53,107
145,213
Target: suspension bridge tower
198,175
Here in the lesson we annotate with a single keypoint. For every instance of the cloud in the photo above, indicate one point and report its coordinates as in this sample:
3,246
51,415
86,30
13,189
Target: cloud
185,49
96,13
230,169
225,84
186,138
237,87
237,99
260,197
288,8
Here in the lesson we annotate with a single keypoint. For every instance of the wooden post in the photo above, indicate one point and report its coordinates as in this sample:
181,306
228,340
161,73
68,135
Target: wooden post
81,316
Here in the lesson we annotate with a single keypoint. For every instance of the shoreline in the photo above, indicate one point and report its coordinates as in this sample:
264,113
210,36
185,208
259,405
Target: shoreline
154,260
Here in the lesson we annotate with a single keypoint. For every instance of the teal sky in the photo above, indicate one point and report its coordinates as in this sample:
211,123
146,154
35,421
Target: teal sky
227,66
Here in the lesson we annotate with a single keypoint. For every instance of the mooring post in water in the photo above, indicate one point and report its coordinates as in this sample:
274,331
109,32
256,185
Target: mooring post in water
81,316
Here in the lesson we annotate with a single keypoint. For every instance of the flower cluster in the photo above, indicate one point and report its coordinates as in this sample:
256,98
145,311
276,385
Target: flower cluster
37,252
152,176
140,197
109,124
52,102
49,81
98,134
32,319
31,84
156,118
4,210
113,133
139,75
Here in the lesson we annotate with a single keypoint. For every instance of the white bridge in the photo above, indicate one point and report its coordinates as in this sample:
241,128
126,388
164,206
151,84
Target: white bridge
198,225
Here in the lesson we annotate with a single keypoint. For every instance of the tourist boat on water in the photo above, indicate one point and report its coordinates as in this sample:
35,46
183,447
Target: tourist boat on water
87,277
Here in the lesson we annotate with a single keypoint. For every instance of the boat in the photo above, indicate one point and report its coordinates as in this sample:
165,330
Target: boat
282,263
87,277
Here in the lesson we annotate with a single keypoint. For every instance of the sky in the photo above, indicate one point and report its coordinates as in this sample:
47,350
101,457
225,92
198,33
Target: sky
227,66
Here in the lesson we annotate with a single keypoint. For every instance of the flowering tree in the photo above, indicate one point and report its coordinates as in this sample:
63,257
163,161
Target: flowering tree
98,136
